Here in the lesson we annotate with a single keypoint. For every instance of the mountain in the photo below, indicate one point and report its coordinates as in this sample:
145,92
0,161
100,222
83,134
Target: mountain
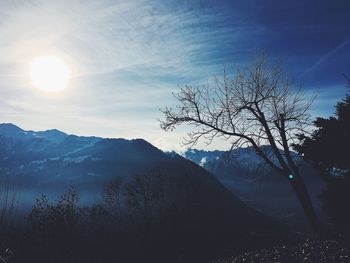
244,173
47,157
47,162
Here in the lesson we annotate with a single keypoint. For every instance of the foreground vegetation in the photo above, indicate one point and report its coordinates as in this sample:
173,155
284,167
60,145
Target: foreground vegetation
154,217
310,251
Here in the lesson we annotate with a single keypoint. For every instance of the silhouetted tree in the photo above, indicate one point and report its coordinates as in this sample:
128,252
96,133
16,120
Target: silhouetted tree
328,150
55,228
256,106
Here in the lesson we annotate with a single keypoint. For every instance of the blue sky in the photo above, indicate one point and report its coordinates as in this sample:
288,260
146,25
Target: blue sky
128,56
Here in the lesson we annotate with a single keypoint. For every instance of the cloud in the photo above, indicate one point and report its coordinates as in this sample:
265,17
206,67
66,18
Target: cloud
203,161
97,37
128,56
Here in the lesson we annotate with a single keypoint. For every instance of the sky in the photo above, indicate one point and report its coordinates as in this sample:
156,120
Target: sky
127,57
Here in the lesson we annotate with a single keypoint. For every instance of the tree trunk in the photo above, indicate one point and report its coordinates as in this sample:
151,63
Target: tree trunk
304,198
297,182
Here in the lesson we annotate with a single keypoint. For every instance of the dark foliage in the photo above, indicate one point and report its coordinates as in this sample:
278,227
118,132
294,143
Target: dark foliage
54,231
328,150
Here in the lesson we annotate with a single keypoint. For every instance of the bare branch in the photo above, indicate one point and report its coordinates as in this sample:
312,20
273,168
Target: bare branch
253,107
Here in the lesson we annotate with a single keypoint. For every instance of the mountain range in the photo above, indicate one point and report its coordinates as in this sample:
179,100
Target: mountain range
52,156
47,162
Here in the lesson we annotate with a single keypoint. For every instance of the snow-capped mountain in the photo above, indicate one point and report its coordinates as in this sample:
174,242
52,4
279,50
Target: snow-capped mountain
50,143
51,156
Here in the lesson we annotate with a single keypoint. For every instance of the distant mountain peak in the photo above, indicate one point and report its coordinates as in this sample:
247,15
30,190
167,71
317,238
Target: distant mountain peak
10,130
9,126
52,135
54,131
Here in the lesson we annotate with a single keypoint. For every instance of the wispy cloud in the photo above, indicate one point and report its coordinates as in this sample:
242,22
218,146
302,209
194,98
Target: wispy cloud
127,57
326,56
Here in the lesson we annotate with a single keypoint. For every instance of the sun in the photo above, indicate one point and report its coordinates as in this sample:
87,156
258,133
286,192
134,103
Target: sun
49,73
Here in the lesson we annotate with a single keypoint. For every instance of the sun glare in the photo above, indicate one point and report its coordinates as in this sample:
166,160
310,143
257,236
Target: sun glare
49,73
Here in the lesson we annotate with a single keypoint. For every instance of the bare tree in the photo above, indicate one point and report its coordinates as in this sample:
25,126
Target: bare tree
255,107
